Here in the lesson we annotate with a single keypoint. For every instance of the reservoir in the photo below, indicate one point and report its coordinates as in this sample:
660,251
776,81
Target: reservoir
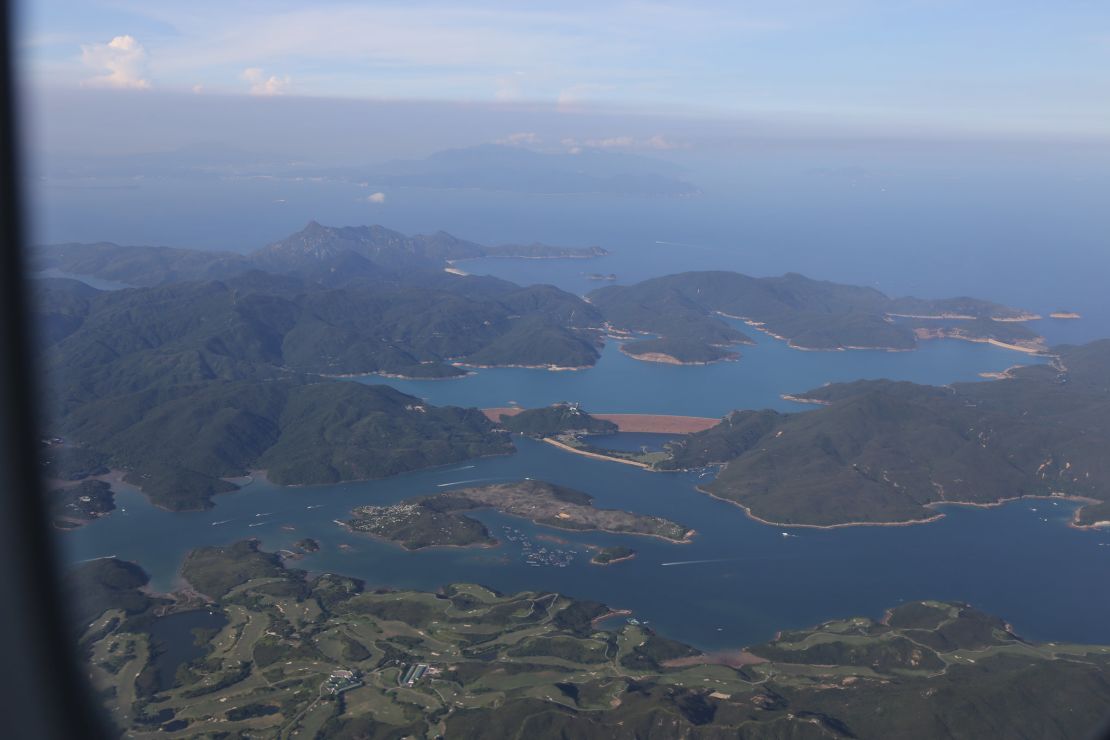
764,372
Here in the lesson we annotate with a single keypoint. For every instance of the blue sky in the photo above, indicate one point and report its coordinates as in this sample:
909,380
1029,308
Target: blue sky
1013,66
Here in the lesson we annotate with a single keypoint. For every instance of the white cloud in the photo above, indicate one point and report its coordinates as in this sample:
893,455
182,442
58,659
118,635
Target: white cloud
569,96
612,142
376,198
572,146
662,142
122,62
657,142
509,87
520,138
260,84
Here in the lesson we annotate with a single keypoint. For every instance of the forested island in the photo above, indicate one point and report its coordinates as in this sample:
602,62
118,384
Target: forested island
613,554
440,520
302,654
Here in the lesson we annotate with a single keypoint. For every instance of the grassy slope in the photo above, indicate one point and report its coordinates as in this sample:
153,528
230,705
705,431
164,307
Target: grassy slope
535,665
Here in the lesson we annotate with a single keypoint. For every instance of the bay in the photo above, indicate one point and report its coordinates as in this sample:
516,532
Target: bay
736,584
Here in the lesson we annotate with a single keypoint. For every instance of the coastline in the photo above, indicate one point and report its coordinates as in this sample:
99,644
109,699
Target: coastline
549,368
1006,374
398,376
920,334
926,334
800,399
914,522
665,359
614,561
610,614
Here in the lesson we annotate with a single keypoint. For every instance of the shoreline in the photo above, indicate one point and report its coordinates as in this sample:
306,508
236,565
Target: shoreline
610,614
595,455
913,522
614,561
1037,349
800,399
397,376
928,334
549,368
1020,318
663,358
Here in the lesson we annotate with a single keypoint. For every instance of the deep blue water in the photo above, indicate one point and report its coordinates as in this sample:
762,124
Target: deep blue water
1040,575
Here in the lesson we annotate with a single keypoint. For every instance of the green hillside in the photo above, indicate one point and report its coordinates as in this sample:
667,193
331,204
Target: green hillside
556,419
881,451
305,655
810,314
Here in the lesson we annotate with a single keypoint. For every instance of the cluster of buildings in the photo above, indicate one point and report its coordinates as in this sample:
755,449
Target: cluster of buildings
342,680
414,674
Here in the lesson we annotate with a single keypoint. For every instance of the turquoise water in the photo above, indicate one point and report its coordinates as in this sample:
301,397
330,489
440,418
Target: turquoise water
763,374
737,583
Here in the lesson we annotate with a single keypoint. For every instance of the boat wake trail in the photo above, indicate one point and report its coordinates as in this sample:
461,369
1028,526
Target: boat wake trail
101,557
460,482
699,562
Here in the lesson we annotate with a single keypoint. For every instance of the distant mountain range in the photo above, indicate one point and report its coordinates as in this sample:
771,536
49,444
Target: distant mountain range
324,254
492,167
